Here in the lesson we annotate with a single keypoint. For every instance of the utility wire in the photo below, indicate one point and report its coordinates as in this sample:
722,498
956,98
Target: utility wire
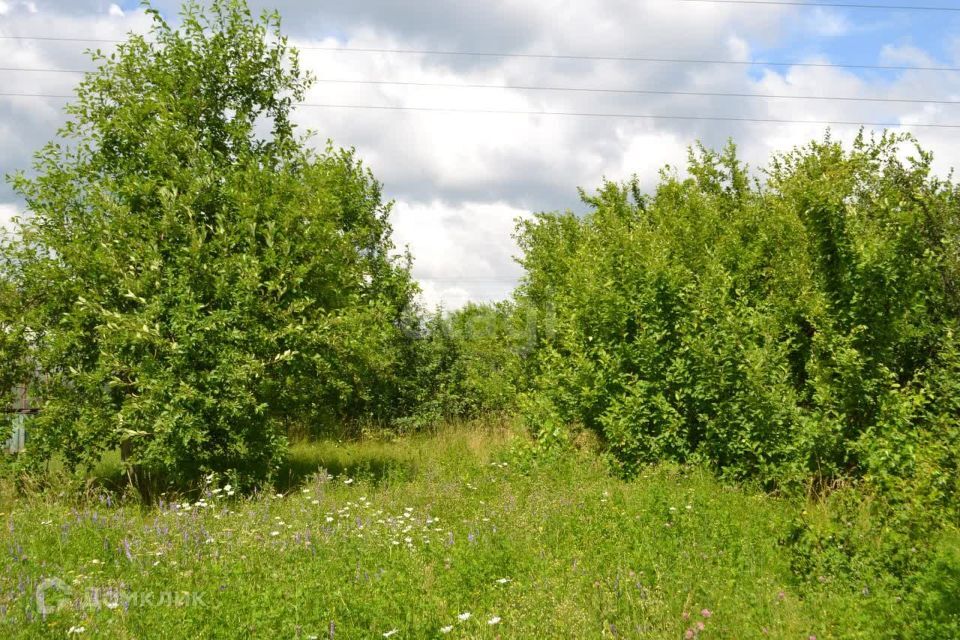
11,94
584,114
633,91
548,56
840,5
641,116
511,87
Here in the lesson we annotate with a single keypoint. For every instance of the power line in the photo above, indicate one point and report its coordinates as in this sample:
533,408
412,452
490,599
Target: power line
549,56
634,91
584,114
11,94
641,116
840,5
511,87
40,70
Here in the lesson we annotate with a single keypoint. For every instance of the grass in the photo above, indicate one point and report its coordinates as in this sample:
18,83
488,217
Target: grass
413,535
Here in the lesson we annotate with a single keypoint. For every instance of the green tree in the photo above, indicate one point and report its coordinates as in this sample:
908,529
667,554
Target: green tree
191,280
801,326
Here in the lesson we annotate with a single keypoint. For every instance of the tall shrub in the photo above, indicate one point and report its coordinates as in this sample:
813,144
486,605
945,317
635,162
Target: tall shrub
798,326
191,278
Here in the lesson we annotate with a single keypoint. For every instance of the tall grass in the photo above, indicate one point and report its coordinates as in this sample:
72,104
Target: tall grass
412,534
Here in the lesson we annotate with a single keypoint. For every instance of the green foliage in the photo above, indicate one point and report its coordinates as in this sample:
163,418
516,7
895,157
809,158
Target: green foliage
791,330
465,364
799,331
191,280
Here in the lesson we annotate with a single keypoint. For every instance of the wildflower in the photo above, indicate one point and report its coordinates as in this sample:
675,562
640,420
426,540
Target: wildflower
348,481
463,617
494,620
446,629
700,625
689,634
314,502
75,630
387,634
329,519
274,533
503,580
706,613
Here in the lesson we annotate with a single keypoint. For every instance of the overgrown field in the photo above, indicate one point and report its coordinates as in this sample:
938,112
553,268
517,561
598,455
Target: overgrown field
456,534
736,391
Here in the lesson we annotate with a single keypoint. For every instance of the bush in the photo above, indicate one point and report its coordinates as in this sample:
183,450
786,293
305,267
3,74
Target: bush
465,364
191,279
792,329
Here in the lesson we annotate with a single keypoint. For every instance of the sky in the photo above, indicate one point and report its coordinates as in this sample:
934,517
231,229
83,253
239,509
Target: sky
459,181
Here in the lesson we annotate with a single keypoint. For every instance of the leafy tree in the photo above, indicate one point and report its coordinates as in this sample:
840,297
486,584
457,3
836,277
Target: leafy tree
192,280
799,327
465,364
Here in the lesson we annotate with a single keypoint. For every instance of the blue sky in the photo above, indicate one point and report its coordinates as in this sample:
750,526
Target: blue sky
460,180
861,35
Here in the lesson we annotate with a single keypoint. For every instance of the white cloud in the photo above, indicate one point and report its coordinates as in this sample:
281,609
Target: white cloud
461,251
4,8
115,11
905,55
827,23
7,213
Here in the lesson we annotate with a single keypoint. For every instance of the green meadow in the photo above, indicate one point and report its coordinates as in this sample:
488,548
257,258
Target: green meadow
458,534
